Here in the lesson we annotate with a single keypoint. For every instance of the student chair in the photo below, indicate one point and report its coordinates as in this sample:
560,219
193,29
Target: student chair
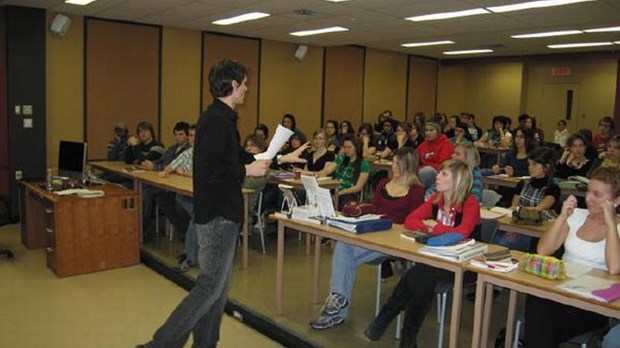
581,340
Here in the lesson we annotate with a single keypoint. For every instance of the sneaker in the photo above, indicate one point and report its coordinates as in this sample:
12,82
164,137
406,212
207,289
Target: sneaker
184,266
326,321
334,304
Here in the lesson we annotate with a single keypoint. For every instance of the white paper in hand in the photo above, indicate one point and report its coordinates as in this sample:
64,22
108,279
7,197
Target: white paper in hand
279,139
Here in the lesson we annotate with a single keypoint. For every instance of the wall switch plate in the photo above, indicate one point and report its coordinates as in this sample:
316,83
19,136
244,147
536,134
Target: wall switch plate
27,123
18,109
27,109
19,175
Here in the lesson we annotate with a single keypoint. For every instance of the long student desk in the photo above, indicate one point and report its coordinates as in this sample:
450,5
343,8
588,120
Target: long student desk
388,242
518,281
512,182
174,183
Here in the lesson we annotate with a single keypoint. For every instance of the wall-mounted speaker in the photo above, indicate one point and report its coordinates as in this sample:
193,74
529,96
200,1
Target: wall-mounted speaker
60,25
301,52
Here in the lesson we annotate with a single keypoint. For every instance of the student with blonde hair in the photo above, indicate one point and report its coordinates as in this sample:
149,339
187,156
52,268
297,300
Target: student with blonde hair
451,210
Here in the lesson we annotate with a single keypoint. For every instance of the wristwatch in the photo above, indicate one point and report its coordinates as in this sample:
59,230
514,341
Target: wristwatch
279,159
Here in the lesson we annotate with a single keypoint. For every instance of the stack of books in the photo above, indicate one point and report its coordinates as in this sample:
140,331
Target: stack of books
499,261
462,251
362,224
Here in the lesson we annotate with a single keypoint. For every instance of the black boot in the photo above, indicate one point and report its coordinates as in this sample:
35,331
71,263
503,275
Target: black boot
388,312
414,317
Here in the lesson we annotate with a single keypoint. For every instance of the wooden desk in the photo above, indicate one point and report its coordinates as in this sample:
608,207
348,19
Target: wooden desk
518,281
82,235
388,242
506,225
512,182
178,184
492,149
381,165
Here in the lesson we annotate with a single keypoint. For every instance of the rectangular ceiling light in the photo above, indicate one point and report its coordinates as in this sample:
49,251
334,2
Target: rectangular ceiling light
242,18
337,0
547,34
429,43
318,31
583,44
533,4
602,30
447,15
450,53
79,2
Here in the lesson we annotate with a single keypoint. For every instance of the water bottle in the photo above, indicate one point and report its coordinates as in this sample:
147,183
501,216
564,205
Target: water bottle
49,178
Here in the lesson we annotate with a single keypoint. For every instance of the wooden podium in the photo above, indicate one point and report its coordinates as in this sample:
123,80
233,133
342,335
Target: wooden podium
82,235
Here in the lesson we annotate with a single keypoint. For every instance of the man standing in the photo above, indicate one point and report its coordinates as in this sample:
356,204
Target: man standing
220,165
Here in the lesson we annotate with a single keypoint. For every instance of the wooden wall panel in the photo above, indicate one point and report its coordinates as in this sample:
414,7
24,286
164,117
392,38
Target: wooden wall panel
64,88
247,51
180,83
422,91
344,84
4,123
292,86
385,84
122,74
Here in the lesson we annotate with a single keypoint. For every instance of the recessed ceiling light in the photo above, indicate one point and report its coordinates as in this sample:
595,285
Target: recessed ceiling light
617,42
533,4
430,43
79,2
241,18
583,44
602,30
547,34
468,52
447,15
318,31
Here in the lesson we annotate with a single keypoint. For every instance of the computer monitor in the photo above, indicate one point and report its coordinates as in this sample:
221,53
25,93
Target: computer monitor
71,159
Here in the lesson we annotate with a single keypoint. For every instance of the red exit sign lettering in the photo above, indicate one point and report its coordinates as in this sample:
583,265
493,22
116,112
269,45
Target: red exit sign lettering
560,71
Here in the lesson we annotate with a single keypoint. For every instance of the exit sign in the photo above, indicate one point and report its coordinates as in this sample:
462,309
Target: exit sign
560,71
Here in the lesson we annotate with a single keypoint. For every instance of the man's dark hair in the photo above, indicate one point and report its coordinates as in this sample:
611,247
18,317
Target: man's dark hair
221,76
608,119
182,126
586,134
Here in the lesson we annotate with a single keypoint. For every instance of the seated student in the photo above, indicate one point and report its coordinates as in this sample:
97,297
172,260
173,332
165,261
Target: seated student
183,165
262,131
497,136
515,162
573,161
468,154
449,129
395,197
181,133
611,157
434,150
254,144
331,134
461,134
606,125
530,123
591,151
590,237
118,145
474,130
401,139
367,140
350,168
345,128
144,146
295,142
318,156
561,134
416,135
385,115
382,140
537,193
451,209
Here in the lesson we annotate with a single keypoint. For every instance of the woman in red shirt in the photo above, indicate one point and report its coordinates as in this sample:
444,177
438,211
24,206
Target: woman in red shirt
451,209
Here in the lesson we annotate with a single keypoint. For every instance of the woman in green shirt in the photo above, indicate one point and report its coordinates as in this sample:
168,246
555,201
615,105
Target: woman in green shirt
350,168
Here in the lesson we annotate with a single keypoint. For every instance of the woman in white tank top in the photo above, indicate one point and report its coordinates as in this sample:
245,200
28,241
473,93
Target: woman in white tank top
590,237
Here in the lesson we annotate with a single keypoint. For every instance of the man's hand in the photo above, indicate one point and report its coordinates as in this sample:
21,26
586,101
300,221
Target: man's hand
147,165
257,168
164,174
293,157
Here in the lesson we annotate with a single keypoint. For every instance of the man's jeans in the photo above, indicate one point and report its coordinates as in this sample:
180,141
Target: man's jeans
201,311
345,262
191,242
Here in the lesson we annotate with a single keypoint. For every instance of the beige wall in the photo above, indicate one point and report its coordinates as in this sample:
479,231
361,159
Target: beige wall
344,84
422,91
594,81
64,87
385,84
288,85
180,90
484,89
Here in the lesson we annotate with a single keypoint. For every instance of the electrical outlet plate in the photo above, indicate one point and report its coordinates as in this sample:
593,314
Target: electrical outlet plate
19,175
27,110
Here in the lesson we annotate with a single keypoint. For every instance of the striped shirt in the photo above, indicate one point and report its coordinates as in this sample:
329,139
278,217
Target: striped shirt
184,161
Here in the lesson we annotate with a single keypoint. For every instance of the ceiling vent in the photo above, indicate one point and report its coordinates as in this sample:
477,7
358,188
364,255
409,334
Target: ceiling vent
303,13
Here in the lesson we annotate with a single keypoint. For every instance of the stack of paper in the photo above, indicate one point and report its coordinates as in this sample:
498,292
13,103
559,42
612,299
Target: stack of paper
462,251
